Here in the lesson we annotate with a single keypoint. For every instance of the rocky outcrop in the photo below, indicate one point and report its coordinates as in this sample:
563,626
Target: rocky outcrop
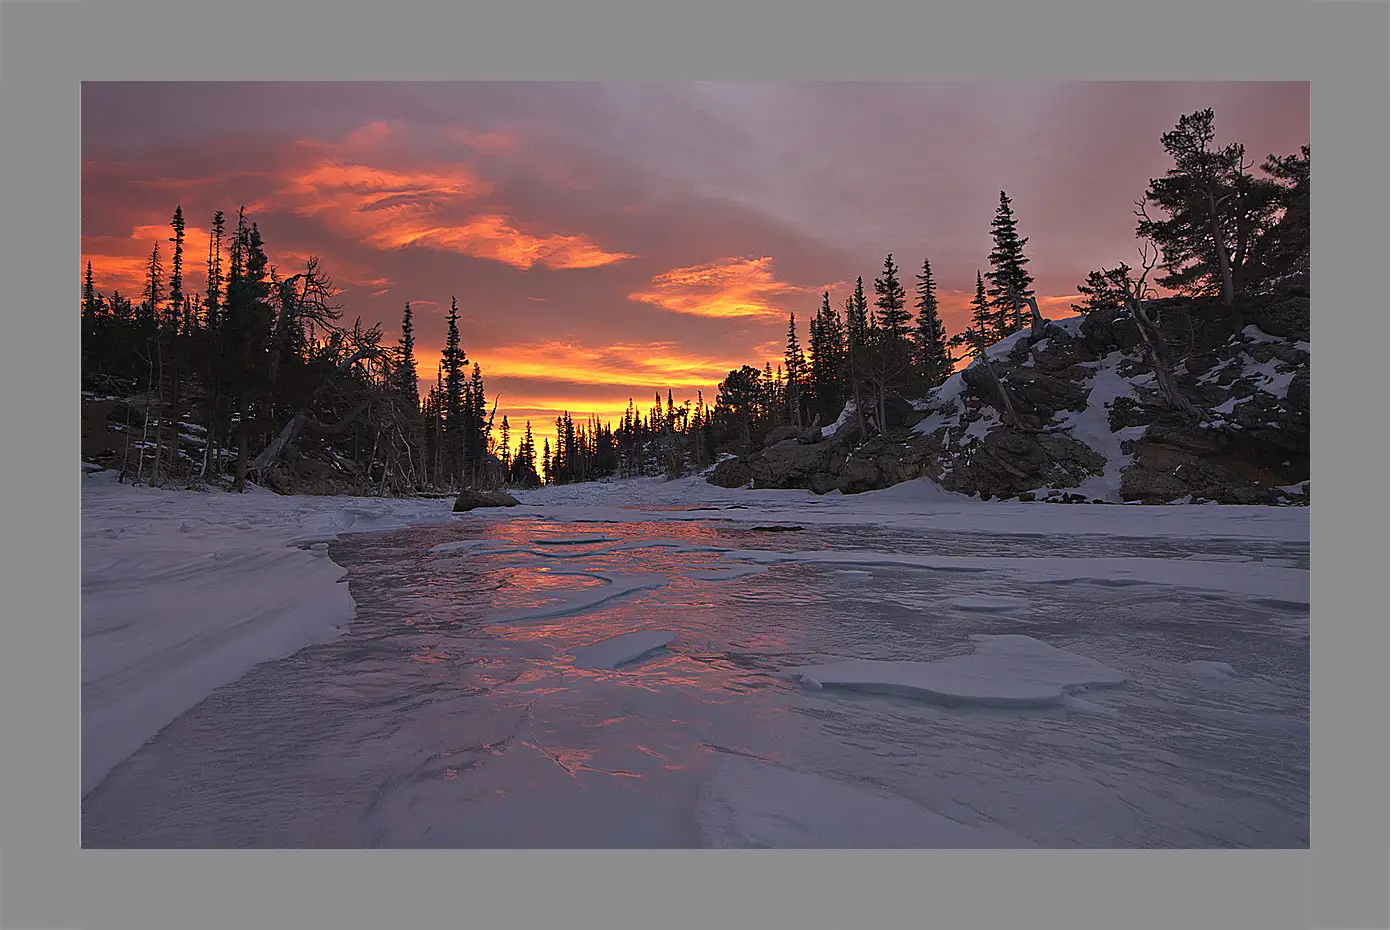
1088,420
470,500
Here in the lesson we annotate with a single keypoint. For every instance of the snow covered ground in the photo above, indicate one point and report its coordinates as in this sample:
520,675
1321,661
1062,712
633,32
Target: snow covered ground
184,592
643,689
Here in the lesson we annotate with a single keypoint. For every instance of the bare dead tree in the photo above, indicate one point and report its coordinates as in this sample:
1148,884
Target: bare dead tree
1157,348
1037,324
303,300
983,359
365,347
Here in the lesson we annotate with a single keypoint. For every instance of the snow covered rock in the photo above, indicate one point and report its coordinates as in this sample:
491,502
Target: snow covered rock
1085,416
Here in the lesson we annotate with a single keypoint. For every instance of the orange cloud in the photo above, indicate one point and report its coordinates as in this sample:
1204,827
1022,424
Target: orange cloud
725,288
494,237
392,209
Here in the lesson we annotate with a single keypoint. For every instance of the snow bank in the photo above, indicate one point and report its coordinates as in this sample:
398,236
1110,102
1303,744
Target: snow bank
184,592
1004,671
749,804
622,649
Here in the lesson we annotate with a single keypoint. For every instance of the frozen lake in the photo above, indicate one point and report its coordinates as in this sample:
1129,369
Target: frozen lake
480,697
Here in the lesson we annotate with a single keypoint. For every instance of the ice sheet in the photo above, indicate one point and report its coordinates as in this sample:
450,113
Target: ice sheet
1004,671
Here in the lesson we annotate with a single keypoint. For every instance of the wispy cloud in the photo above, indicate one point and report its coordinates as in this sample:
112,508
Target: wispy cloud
729,287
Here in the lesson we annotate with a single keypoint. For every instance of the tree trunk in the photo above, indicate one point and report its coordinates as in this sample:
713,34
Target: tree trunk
1006,405
883,407
1224,260
1160,357
243,442
301,422
1037,323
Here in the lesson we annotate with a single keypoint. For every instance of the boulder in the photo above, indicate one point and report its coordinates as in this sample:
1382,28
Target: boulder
1043,394
780,433
731,473
1285,314
469,500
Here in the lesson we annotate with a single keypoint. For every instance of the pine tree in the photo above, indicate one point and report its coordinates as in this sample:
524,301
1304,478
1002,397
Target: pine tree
934,361
829,362
983,319
1007,264
91,336
1107,289
176,271
453,361
858,337
891,301
796,364
505,451
1217,212
529,450
478,421
89,294
1284,249
154,293
213,302
407,378
546,475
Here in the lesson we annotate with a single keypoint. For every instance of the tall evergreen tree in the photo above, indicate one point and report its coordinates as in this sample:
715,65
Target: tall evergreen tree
829,374
154,294
1284,249
91,336
891,302
857,340
1007,270
176,309
407,378
796,364
1216,212
89,293
478,420
505,451
529,450
979,334
456,421
934,361
212,303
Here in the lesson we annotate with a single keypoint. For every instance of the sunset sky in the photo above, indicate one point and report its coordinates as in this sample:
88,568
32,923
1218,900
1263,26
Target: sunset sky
608,240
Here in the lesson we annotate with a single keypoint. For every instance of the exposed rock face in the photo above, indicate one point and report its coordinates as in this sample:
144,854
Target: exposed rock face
1090,421
469,500
779,434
